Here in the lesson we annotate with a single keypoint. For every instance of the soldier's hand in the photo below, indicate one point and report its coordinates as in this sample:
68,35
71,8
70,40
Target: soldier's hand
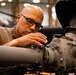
32,38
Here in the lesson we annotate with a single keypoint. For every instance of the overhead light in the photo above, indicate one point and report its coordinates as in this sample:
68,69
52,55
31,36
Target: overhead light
1,0
3,4
53,13
26,4
53,9
36,1
10,0
47,5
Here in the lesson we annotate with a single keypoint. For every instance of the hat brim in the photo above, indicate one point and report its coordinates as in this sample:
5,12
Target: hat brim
65,11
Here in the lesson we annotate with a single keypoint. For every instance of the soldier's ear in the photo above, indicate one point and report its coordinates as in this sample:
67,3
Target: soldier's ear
18,17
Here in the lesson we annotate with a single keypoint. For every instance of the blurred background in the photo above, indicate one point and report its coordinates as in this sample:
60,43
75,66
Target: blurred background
9,9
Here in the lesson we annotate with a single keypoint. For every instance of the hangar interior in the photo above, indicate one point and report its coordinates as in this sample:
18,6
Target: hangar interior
9,10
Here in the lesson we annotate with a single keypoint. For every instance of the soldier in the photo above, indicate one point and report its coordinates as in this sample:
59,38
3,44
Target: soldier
26,30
